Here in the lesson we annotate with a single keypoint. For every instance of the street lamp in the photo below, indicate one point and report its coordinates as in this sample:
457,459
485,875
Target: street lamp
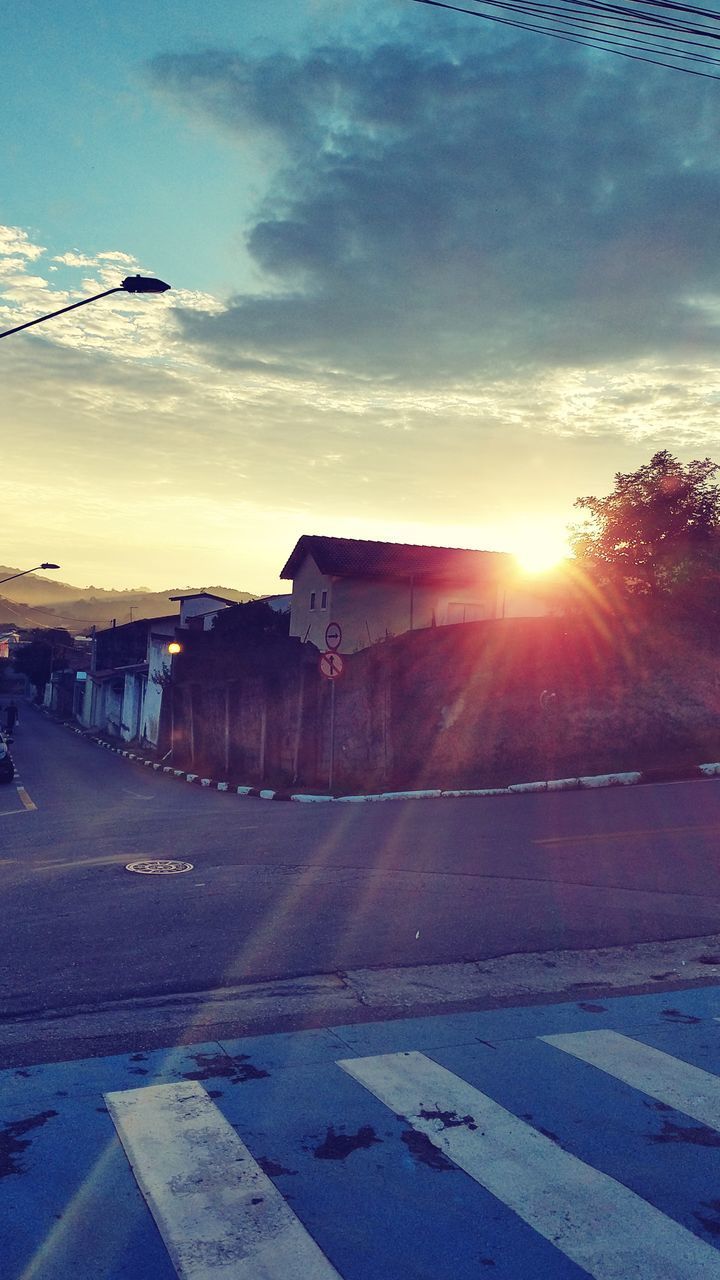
47,565
131,284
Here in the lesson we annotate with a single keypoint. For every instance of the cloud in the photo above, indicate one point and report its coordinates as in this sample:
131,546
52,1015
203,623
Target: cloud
115,255
442,214
74,259
15,242
125,327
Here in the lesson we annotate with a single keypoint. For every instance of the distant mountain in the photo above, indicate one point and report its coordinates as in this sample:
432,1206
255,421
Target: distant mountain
36,601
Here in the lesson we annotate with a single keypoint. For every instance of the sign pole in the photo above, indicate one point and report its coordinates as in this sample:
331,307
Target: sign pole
332,736
331,666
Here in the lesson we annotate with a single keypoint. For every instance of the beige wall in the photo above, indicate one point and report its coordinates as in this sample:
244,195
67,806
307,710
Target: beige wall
398,606
305,622
371,609
523,603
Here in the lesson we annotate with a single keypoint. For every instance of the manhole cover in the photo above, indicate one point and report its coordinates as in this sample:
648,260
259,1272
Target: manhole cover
159,867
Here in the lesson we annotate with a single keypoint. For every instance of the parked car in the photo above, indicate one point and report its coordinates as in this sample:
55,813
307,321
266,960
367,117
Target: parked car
7,767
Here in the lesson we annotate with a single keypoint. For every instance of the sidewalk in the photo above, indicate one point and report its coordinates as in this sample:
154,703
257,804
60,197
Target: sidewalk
361,995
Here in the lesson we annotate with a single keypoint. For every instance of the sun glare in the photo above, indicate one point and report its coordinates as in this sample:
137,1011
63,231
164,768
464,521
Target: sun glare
541,554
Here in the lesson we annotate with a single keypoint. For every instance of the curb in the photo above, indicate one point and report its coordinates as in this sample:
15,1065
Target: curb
592,782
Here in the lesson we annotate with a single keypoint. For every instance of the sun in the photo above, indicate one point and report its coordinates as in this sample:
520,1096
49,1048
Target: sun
540,552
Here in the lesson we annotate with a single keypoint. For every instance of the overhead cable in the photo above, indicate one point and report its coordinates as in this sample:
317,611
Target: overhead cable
660,32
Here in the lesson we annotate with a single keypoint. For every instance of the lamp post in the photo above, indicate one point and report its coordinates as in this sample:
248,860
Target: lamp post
131,284
47,565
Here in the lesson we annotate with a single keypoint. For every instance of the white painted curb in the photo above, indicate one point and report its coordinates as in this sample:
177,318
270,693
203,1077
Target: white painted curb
611,780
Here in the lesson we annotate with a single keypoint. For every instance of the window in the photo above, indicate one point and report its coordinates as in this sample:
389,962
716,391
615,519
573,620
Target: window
312,599
323,600
465,611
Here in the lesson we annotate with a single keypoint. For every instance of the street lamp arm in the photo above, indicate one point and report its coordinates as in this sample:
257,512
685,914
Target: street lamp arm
131,284
22,575
83,302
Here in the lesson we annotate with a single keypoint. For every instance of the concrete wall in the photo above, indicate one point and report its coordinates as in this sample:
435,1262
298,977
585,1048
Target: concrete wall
244,729
159,665
463,706
110,707
132,706
89,708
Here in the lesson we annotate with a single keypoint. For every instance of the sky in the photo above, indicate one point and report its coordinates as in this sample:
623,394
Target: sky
432,280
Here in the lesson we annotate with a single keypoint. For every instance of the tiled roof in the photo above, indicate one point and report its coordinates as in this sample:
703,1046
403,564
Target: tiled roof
357,558
165,617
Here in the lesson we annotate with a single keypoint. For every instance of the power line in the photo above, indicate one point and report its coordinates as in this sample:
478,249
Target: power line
660,27
37,608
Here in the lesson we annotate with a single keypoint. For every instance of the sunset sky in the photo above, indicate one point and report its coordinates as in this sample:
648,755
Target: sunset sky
433,279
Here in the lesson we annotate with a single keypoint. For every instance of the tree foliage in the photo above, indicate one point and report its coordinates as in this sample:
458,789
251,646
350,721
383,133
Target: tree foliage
659,527
46,648
254,624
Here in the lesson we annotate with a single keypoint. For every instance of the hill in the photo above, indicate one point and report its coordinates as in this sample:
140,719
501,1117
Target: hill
37,601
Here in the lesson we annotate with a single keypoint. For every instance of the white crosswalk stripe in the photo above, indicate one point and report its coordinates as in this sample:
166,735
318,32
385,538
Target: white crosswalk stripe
220,1216
679,1084
595,1221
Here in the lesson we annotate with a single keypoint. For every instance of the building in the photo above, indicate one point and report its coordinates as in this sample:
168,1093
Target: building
199,610
131,664
375,590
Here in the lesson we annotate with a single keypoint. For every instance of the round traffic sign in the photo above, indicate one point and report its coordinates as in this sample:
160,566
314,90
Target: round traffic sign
331,665
333,636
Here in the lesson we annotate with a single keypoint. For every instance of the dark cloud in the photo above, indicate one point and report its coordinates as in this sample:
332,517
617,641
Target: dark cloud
436,214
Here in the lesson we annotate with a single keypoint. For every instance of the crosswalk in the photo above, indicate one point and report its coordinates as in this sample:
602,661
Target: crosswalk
545,1143
224,1213
218,1212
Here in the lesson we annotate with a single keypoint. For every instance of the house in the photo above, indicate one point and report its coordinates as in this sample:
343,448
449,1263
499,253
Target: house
380,589
119,699
124,688
199,610
9,641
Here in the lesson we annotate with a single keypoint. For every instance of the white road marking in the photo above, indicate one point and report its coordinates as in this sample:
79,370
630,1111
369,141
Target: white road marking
220,1216
25,798
594,1220
680,1085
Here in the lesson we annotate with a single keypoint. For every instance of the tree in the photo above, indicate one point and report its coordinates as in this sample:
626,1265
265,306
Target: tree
254,624
659,528
41,655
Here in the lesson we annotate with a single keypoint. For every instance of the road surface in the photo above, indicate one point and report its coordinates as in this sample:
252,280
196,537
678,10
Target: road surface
280,889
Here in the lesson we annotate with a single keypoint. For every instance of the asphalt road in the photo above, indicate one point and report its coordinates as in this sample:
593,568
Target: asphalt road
280,889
